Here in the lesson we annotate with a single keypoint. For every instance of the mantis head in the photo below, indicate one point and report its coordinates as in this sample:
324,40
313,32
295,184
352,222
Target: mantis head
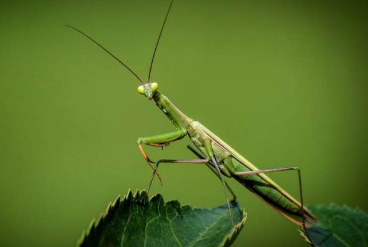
148,89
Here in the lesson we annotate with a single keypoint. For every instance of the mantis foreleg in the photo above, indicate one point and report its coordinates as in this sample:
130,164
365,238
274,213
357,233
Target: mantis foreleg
158,141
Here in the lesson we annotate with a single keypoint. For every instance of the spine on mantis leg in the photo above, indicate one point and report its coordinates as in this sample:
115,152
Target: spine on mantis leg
273,195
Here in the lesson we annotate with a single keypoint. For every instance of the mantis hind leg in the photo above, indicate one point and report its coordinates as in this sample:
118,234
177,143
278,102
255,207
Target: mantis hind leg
247,173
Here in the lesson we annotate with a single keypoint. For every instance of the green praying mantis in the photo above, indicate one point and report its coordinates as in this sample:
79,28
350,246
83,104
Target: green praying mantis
222,159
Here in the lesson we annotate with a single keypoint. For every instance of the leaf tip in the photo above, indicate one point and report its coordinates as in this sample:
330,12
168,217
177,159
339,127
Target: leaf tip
236,229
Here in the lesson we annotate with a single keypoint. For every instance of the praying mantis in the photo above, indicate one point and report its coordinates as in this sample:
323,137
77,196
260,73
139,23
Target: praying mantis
212,151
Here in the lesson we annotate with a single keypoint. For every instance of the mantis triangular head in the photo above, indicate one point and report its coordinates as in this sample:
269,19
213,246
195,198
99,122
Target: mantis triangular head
148,89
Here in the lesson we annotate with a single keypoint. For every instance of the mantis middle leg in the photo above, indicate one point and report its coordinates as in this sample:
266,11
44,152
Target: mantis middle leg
203,160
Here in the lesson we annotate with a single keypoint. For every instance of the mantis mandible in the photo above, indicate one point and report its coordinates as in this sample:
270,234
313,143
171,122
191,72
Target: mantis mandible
222,159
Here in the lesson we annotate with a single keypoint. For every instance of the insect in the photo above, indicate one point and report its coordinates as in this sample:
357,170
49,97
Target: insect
222,159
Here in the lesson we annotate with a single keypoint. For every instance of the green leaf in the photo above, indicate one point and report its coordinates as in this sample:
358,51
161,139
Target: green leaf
339,226
155,223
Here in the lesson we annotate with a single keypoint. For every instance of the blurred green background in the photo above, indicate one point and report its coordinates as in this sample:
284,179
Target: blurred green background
283,82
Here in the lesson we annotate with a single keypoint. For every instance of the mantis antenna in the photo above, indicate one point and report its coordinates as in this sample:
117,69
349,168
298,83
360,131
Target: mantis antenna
94,41
158,40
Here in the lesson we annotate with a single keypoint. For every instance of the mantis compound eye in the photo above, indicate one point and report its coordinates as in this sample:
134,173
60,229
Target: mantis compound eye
154,86
141,89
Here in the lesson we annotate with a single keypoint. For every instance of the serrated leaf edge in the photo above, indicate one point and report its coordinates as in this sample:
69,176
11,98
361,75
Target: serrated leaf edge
94,224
